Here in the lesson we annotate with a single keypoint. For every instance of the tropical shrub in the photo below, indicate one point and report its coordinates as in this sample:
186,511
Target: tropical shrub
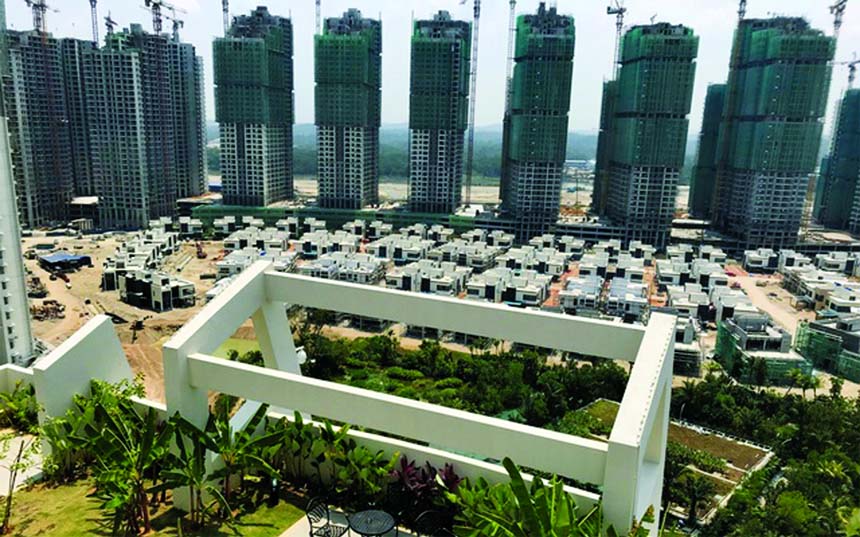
19,408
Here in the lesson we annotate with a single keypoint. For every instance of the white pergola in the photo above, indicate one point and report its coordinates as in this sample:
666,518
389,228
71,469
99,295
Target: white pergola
628,468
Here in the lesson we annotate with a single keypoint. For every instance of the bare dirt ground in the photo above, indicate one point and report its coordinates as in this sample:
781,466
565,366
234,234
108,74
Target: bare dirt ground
773,300
85,299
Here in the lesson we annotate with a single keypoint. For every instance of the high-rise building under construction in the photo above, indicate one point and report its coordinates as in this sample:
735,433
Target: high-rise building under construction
705,172
776,95
40,137
438,110
534,143
837,200
254,107
649,130
348,71
600,190
144,108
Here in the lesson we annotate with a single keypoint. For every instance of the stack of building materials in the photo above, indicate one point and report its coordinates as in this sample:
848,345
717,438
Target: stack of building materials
523,287
426,276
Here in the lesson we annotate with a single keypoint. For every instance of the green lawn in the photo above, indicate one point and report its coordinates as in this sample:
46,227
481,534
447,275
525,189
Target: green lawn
66,511
239,345
604,410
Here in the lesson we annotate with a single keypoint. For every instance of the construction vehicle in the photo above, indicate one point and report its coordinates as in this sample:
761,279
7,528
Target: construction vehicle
201,254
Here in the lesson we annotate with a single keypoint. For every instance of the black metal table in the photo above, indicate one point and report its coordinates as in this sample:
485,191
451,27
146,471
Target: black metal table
371,523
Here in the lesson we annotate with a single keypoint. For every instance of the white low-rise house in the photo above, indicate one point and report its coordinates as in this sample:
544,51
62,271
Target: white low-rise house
141,251
712,254
844,299
238,260
540,242
525,287
596,264
400,248
688,352
811,285
496,237
440,234
426,276
317,243
377,229
611,247
355,227
291,226
790,258
626,299
581,295
708,274
261,239
641,250
347,267
762,260
672,272
689,299
844,262
630,268
683,252
728,302
545,261
225,225
190,227
572,246
313,225
478,256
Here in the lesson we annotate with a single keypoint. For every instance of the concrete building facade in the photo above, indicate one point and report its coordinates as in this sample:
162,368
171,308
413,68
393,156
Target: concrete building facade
705,173
438,109
348,73
254,108
837,200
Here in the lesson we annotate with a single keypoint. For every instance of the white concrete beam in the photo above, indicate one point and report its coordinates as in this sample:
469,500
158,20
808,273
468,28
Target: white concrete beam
566,455
496,321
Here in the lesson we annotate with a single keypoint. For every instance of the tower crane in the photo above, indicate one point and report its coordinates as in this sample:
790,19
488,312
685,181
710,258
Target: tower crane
838,11
95,20
619,11
40,8
473,89
177,23
852,69
742,10
319,17
155,6
109,24
225,10
509,72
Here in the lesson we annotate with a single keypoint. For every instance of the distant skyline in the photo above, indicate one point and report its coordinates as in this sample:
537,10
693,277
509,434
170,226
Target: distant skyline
713,20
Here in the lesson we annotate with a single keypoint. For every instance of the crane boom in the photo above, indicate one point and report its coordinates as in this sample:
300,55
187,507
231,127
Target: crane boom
838,12
95,20
39,7
742,9
319,17
619,11
109,24
509,70
473,90
225,11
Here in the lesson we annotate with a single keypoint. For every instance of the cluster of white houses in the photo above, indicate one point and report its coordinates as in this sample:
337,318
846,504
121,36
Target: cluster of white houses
134,271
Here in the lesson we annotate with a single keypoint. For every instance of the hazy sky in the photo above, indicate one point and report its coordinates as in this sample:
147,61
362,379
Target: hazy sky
713,20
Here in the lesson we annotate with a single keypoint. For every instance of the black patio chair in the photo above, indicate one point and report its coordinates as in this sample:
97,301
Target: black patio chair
430,524
320,522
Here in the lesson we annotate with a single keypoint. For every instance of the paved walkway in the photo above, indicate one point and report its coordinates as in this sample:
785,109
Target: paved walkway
10,451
